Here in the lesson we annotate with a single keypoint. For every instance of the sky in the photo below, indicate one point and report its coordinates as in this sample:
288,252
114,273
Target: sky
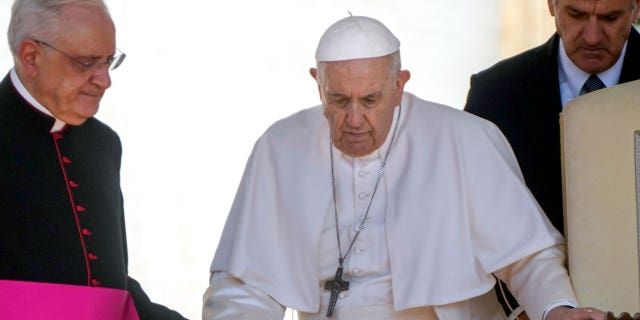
202,81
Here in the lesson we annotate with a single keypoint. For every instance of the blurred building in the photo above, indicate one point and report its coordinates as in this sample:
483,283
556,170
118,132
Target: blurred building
524,24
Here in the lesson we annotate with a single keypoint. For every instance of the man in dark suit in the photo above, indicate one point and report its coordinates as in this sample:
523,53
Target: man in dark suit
63,248
524,95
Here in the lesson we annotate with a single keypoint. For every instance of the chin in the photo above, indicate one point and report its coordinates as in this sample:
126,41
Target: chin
80,117
358,153
76,121
595,64
89,111
594,68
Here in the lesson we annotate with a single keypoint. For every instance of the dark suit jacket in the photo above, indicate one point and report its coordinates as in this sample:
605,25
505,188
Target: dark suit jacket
61,208
521,95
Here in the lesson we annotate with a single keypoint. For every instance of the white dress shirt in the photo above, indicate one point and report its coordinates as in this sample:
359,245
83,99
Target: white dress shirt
572,78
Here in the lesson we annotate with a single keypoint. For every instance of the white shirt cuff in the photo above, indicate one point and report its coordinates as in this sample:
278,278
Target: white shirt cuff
559,303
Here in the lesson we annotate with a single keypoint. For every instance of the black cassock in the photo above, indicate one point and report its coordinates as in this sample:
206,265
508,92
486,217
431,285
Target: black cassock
61,207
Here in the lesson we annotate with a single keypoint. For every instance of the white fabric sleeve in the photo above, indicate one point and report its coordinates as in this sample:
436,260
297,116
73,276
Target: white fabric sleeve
539,281
228,298
562,303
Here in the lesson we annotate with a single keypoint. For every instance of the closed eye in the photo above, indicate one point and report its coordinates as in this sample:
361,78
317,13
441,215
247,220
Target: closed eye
609,17
371,100
576,14
338,101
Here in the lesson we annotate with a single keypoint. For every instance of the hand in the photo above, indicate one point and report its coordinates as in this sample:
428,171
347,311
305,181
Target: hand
567,313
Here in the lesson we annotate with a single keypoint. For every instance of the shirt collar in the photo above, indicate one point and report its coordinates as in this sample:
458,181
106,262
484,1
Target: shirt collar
58,124
575,77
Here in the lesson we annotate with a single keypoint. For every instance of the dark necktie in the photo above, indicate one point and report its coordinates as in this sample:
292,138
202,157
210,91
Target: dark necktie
592,84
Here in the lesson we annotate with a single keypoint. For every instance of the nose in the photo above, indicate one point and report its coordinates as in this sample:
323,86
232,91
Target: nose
355,115
101,77
592,33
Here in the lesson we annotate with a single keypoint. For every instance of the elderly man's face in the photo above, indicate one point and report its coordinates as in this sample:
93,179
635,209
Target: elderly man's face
359,98
593,32
71,91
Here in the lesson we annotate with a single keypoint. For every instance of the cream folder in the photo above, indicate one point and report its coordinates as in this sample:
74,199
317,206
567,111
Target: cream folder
600,179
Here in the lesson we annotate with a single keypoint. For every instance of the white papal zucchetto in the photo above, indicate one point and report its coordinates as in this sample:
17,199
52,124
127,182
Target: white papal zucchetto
356,37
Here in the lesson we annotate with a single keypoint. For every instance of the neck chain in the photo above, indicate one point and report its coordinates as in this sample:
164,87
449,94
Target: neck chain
342,257
338,285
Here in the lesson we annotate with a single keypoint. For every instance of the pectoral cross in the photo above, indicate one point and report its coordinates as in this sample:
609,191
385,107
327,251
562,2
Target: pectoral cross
336,286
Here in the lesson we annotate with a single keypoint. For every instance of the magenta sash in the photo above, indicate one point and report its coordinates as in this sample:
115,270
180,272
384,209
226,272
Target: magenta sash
34,300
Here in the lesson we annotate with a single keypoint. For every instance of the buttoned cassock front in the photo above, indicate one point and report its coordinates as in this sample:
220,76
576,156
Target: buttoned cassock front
60,188
457,210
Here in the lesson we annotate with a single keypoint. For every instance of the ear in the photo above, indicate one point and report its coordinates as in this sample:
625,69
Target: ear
636,12
552,10
314,74
28,54
403,77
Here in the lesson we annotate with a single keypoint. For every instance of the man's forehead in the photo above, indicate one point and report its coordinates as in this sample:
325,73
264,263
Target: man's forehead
360,63
599,5
86,27
340,89
353,95
82,16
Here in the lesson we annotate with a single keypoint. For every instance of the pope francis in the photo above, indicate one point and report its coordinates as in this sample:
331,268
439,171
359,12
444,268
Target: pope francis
380,205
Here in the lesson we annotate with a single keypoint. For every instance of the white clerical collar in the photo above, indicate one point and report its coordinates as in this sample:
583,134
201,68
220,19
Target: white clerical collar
379,153
58,125
575,77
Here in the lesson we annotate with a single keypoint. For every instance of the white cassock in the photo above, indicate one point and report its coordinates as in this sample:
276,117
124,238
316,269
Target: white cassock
451,210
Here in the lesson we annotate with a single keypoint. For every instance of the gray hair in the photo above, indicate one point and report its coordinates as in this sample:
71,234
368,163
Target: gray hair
36,18
395,65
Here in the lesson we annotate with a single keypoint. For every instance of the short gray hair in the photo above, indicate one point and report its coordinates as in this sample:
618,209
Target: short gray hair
35,18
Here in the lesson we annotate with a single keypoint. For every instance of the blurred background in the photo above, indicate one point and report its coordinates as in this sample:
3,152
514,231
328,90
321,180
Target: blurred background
203,80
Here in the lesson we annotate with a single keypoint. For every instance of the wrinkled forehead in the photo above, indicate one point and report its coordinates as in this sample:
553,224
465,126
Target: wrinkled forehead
611,4
88,24
358,77
378,67
75,15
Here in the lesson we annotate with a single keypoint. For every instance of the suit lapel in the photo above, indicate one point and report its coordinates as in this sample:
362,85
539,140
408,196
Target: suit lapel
541,112
631,64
